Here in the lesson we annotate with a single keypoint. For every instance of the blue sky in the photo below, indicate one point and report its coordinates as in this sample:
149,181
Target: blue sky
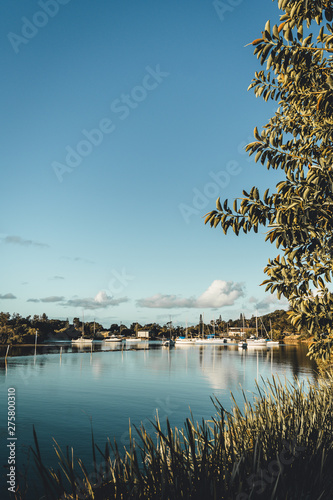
122,122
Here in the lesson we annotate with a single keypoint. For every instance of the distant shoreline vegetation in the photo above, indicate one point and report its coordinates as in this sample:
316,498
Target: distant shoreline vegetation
16,329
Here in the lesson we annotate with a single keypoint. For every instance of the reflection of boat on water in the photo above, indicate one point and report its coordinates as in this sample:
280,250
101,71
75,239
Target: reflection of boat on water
133,339
242,344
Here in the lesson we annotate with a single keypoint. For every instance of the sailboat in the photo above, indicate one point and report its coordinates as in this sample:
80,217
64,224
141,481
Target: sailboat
184,340
257,342
113,338
169,342
243,344
270,342
82,339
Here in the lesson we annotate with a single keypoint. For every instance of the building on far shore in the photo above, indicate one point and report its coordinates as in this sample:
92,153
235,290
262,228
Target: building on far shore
143,334
235,330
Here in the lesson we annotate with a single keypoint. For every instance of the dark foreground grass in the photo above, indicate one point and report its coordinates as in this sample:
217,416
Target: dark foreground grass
278,447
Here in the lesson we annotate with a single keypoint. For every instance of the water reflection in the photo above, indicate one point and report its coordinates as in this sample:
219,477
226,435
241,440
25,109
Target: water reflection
67,346
62,387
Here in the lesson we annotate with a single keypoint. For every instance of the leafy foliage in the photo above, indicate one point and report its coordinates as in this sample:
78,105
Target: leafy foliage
298,140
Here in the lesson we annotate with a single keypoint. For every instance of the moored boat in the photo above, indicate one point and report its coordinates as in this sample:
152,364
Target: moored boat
168,343
113,338
211,341
256,342
184,340
82,340
271,343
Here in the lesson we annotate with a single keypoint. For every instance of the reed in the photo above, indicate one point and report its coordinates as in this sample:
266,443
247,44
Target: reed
279,446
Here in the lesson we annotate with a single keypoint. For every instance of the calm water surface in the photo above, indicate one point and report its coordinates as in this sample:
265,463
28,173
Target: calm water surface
63,393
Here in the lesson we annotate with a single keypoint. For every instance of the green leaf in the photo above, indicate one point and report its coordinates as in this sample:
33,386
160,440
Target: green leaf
218,205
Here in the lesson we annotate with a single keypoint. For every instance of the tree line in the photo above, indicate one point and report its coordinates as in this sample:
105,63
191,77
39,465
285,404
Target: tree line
16,329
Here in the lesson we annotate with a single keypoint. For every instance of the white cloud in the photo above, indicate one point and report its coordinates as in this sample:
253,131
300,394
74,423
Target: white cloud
102,297
101,300
219,294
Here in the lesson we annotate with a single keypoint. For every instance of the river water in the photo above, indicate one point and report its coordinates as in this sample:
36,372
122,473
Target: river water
64,390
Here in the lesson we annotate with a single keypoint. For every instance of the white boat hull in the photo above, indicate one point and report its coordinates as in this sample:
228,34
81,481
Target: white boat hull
185,341
82,341
257,343
211,341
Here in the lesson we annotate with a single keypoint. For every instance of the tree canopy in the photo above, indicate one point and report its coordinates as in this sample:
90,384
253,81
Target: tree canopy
297,59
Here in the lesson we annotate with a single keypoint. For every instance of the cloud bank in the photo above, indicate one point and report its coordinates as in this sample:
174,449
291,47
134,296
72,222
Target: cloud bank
267,302
100,301
7,296
17,240
219,294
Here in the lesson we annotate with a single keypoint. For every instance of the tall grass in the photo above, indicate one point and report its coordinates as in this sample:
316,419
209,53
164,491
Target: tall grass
278,447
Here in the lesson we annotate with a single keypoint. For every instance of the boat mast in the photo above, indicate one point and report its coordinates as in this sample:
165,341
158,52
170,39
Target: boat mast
270,327
203,325
82,323
257,324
